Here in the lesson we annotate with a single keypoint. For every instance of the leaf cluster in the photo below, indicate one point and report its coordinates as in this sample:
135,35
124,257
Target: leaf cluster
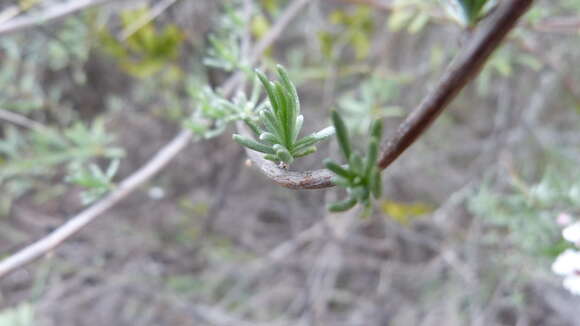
279,124
40,150
26,158
94,181
361,177
225,52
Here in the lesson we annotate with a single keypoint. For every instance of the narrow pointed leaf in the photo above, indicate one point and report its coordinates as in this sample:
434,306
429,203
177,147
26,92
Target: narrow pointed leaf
269,137
268,118
283,153
305,142
293,100
289,86
376,183
372,156
341,134
304,152
268,87
377,130
252,144
282,112
356,164
313,138
337,169
297,128
360,193
341,182
253,126
271,157
324,133
342,206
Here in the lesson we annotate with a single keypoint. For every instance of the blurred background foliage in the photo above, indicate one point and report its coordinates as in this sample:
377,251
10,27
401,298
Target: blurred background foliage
88,99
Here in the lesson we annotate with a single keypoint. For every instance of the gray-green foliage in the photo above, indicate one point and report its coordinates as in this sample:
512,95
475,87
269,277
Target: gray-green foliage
94,181
213,112
21,315
225,51
361,177
369,102
22,87
528,213
280,123
40,150
26,155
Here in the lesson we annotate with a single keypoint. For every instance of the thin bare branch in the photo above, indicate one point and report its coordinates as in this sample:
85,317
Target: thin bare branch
20,120
167,153
76,223
53,13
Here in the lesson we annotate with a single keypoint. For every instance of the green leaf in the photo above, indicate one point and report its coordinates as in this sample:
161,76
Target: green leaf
290,88
283,112
297,127
268,87
253,126
342,206
342,182
341,134
269,137
305,142
324,133
356,163
283,153
252,144
337,169
377,130
268,118
271,157
304,152
372,156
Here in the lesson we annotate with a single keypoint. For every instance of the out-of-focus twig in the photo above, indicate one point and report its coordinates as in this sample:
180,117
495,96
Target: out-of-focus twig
569,25
20,120
53,13
76,223
567,81
163,157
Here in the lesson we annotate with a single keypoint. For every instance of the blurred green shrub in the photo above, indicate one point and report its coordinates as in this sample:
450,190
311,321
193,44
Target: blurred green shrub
527,213
146,50
21,315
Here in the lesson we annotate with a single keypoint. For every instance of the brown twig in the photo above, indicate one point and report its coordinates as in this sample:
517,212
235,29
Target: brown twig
462,69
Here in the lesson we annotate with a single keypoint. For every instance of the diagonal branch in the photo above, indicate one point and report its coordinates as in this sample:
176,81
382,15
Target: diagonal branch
76,223
460,72
163,157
